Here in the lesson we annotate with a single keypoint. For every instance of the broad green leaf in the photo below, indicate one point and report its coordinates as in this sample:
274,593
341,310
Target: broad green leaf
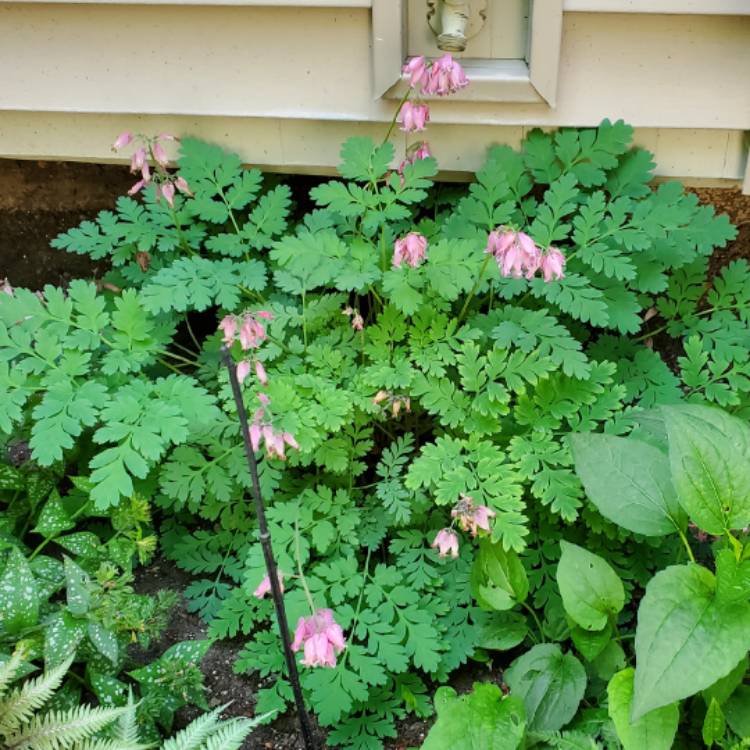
550,683
714,724
654,731
737,711
723,688
481,719
591,591
732,577
19,595
709,453
682,625
498,577
502,631
612,659
629,482
590,643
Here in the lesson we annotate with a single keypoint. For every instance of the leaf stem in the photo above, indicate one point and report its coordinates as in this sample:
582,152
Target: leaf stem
687,545
536,620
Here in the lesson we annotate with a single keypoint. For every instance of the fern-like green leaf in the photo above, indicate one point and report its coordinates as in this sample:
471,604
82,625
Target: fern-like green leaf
20,705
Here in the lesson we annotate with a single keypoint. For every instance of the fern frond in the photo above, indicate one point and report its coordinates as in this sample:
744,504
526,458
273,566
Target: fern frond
9,668
230,735
127,725
61,730
195,733
110,744
20,704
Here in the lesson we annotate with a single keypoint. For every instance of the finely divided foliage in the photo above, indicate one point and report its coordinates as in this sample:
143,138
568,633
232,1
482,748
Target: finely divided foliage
485,388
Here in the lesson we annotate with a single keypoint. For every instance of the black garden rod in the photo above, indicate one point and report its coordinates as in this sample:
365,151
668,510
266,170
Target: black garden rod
265,541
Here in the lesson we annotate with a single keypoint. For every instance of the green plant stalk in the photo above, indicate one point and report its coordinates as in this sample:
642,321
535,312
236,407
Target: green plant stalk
474,288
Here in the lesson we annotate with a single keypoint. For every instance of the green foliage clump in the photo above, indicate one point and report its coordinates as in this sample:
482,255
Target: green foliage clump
544,402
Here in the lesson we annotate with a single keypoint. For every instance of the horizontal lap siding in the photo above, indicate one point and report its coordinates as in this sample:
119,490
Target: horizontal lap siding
284,85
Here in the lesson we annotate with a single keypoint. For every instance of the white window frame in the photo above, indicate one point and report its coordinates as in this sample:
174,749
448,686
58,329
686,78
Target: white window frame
531,80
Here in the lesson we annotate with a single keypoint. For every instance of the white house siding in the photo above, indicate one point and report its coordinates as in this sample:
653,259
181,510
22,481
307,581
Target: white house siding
285,84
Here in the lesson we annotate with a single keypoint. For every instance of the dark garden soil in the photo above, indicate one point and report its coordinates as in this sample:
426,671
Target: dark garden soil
39,200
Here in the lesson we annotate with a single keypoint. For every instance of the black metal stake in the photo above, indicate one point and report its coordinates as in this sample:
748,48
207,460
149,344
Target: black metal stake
265,541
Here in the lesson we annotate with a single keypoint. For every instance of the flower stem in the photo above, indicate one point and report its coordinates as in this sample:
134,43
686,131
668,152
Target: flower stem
298,558
474,288
396,114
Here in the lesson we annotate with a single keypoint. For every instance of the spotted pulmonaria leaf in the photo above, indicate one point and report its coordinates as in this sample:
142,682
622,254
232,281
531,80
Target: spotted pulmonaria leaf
54,518
62,637
104,641
77,589
19,597
109,690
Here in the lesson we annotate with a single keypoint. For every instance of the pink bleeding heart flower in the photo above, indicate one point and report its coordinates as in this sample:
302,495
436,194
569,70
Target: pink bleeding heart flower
472,517
264,587
446,542
6,288
288,438
413,117
265,314
446,77
358,322
146,173
252,333
412,249
135,188
160,155
243,370
516,253
320,637
166,137
416,69
263,398
181,184
137,160
260,371
552,264
167,190
124,139
229,327
422,151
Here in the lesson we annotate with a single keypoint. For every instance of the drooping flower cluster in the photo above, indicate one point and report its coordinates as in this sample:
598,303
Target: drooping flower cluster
149,155
261,429
442,77
394,403
472,517
517,255
264,587
251,334
358,322
321,638
411,249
